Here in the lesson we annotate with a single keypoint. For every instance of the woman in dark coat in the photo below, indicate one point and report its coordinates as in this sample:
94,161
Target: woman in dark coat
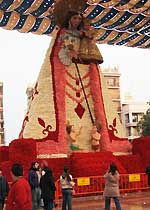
48,188
4,189
148,173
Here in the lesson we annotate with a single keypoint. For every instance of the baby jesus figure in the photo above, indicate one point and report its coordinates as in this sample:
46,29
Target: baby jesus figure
95,137
89,51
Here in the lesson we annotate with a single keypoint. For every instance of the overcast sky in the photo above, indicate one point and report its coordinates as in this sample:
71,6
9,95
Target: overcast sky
21,57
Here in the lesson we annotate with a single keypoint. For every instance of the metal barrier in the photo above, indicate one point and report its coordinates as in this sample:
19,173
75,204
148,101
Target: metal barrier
85,186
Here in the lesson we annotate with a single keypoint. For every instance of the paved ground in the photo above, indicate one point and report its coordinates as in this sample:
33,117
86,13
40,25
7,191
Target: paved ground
129,201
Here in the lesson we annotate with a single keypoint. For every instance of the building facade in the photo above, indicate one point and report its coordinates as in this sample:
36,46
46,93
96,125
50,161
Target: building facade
112,78
132,113
2,136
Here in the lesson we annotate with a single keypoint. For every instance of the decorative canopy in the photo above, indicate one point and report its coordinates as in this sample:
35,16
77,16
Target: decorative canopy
119,22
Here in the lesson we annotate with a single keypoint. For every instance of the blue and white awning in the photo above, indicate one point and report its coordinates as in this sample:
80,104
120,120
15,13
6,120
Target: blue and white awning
119,22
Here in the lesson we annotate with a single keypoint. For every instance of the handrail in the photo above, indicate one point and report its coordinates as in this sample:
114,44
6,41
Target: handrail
94,185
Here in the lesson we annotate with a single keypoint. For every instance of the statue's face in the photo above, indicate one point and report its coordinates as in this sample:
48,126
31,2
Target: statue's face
72,128
87,26
75,21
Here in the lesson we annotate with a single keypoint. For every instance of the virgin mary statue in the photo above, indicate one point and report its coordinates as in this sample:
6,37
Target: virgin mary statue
68,90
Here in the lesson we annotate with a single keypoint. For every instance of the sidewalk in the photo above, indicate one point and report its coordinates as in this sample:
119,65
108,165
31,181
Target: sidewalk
129,201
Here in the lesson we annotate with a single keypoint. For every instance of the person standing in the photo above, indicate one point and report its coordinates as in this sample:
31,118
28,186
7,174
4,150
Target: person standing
67,188
19,196
33,180
48,189
4,189
111,189
147,171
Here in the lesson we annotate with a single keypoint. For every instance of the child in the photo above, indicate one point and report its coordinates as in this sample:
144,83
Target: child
95,137
89,51
72,136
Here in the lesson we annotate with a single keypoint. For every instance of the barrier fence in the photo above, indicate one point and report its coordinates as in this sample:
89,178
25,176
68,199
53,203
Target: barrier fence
85,186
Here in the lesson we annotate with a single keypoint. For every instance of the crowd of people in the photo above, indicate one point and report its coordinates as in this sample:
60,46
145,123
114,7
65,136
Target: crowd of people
35,191
31,193
38,189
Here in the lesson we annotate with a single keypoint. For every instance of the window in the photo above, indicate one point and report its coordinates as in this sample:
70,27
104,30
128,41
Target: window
117,82
126,118
1,115
111,82
129,131
134,117
135,133
1,103
2,125
1,90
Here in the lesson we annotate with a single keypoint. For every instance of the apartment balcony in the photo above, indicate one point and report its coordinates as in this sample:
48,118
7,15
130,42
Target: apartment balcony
116,99
132,124
133,137
113,87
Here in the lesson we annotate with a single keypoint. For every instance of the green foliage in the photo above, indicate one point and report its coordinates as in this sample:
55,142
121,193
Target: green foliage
143,125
